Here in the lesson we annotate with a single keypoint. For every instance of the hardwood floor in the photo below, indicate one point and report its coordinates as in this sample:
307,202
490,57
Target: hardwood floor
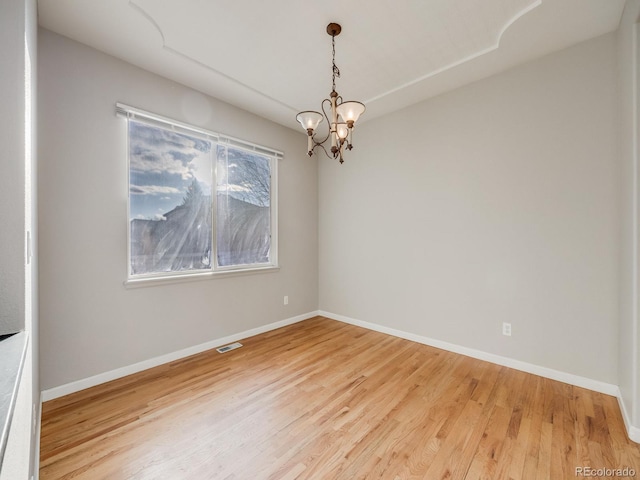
325,400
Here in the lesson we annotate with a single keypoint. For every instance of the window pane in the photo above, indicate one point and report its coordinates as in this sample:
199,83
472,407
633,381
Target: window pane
243,207
169,200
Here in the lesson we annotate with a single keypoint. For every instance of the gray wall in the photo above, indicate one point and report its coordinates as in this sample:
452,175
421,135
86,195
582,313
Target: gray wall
91,323
497,202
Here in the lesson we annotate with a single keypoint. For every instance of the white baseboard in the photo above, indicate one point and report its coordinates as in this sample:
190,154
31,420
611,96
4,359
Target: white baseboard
550,373
78,385
633,432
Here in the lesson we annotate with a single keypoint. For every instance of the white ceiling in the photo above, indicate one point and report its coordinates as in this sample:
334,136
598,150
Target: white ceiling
273,58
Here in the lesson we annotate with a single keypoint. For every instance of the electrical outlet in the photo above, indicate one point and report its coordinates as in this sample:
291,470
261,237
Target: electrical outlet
286,299
506,329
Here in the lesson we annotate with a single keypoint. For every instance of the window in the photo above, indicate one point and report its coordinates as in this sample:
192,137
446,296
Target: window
199,202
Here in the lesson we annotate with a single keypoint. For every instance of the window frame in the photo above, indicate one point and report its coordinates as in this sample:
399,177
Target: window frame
132,113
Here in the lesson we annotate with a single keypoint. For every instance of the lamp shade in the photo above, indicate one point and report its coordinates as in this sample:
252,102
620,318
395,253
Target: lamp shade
350,111
309,119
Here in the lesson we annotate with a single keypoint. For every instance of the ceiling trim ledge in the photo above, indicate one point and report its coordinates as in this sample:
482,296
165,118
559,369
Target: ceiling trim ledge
142,12
192,60
466,59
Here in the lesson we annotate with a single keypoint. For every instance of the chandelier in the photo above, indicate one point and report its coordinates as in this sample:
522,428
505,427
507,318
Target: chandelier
340,132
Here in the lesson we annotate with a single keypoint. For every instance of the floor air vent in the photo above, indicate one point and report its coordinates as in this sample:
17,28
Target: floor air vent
231,346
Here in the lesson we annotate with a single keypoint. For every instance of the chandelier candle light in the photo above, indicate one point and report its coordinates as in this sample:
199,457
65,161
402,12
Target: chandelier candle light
340,132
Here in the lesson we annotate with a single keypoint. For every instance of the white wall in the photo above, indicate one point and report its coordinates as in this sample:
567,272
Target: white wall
629,340
18,277
91,323
12,193
497,202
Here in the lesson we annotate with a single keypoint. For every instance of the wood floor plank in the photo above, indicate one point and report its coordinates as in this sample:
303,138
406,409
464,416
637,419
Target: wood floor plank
324,400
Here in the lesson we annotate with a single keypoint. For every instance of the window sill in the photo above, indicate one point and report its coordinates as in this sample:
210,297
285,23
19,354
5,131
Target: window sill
195,277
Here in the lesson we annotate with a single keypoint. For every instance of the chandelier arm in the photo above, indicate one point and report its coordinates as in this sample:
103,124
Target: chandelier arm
328,123
316,144
324,150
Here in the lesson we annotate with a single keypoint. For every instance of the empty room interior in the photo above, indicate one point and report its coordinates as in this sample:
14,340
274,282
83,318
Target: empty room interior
320,240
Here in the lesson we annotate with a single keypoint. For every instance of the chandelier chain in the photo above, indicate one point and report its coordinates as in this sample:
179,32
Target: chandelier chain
336,70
